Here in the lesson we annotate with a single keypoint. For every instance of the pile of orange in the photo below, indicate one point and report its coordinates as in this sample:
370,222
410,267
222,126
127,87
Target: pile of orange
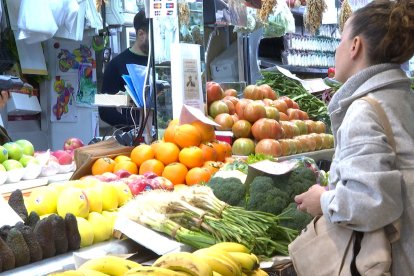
188,154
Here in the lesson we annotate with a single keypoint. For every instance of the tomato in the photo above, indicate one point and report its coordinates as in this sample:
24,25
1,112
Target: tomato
331,72
281,106
269,147
225,121
242,129
234,100
250,92
240,107
267,92
243,146
230,105
217,108
272,113
266,128
214,92
230,92
254,111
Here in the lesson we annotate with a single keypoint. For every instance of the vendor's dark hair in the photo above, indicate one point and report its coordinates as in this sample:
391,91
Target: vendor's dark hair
141,22
388,27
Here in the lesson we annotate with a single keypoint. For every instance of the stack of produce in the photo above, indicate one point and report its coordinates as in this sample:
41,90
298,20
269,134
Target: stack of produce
94,204
264,123
194,216
35,238
184,156
227,259
272,194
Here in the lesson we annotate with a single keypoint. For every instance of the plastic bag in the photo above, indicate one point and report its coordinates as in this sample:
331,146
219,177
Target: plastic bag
280,22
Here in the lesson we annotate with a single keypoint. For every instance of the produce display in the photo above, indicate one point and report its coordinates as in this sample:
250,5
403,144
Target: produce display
19,160
36,238
226,258
196,217
263,122
187,154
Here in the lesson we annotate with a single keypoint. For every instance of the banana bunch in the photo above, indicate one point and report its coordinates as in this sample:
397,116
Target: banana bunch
231,258
184,262
107,265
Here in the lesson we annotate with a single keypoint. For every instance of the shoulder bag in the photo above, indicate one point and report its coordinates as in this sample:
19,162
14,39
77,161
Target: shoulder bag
324,248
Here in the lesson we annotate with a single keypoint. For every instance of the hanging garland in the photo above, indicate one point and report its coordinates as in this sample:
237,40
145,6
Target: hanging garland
344,14
312,17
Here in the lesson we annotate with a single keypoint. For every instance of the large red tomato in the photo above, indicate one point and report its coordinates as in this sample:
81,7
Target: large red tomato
269,147
217,108
240,107
266,128
214,92
267,92
254,111
225,121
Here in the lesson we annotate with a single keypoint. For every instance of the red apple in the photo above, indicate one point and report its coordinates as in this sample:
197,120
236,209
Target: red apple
72,143
122,173
63,157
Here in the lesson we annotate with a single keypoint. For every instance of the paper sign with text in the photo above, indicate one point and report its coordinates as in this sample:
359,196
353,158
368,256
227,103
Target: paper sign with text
190,114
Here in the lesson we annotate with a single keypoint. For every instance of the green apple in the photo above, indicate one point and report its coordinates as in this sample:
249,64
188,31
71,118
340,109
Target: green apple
4,154
14,150
26,159
12,164
27,146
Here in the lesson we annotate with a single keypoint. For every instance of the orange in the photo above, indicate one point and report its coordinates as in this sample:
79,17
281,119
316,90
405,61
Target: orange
155,144
175,172
141,153
206,130
120,158
129,166
197,176
167,152
169,131
103,165
187,135
209,152
152,165
191,157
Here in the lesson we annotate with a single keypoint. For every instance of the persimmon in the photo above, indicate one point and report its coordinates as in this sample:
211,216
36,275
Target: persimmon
206,131
103,165
212,166
169,132
191,157
175,172
187,135
167,152
223,150
197,176
209,152
152,165
155,144
129,166
141,153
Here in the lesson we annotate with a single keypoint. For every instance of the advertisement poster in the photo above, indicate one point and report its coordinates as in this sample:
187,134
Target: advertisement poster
191,88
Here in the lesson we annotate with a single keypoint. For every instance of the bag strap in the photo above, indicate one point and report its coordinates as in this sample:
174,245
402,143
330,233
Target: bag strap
392,230
382,116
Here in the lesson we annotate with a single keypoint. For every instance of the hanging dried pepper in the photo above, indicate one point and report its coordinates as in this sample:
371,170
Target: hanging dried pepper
312,17
344,14
266,9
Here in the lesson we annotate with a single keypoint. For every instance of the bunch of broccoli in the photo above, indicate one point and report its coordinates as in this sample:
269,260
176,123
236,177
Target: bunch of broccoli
271,194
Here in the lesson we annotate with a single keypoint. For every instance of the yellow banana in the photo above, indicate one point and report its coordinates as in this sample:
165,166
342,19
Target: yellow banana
151,270
259,272
186,262
111,265
222,257
231,247
90,272
247,261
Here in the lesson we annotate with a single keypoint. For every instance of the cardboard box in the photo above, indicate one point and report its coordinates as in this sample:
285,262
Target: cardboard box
23,104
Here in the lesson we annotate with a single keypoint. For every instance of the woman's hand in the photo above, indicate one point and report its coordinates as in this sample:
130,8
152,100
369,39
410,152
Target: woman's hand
3,99
309,201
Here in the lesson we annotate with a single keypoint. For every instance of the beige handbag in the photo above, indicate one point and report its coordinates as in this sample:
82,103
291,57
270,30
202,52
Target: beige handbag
328,249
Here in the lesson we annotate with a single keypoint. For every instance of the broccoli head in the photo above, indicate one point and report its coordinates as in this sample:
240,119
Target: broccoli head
300,180
230,190
295,219
264,196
